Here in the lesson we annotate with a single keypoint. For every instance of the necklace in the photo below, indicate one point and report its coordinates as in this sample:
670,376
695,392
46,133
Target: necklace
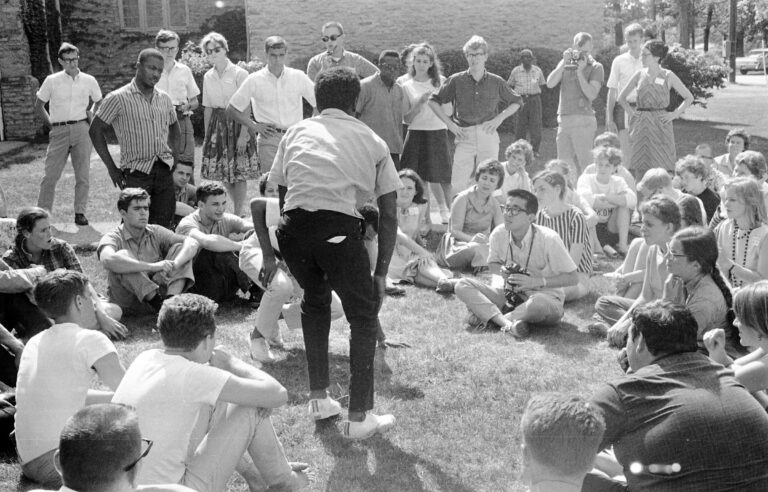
737,236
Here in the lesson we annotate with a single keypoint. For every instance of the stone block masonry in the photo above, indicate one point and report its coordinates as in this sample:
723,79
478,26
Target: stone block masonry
17,96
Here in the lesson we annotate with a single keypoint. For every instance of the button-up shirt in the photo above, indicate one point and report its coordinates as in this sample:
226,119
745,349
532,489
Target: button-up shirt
382,109
152,245
526,82
475,101
69,97
275,100
323,61
217,90
141,125
61,255
178,83
229,224
623,68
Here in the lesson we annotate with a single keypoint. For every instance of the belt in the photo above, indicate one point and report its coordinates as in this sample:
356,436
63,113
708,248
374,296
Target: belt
529,95
70,122
280,130
650,109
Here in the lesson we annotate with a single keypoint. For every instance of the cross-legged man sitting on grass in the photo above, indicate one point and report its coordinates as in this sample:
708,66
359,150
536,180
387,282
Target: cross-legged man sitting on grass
220,235
100,450
529,265
56,371
204,408
145,263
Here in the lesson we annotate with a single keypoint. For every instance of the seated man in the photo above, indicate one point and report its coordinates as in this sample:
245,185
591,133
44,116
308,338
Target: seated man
204,408
100,450
529,265
560,439
186,194
220,237
146,263
56,371
678,420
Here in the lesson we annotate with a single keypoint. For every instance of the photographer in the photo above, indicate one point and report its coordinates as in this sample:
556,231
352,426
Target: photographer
581,77
529,265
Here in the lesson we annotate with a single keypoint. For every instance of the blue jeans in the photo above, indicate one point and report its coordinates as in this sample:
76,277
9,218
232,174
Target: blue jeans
319,266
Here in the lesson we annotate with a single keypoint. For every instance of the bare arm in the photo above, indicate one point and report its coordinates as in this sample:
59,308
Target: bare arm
174,138
437,108
13,344
556,75
214,242
99,140
183,209
627,91
609,106
110,370
187,253
244,118
590,88
387,232
259,215
207,117
122,262
248,386
41,112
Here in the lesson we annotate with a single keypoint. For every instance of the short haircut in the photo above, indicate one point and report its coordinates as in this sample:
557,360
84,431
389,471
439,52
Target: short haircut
751,306
127,195
67,48
612,154
209,188
581,38
633,29
693,164
521,147
754,161
216,38
370,216
337,88
607,139
475,43
663,208
166,35
702,146
417,182
654,180
186,320
741,133
263,184
562,432
55,292
96,445
749,191
275,43
690,211
526,53
493,167
183,163
552,178
148,53
531,202
335,24
388,54
667,327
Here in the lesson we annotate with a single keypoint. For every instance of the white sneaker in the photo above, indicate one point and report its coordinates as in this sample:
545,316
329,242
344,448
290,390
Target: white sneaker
260,350
324,408
373,424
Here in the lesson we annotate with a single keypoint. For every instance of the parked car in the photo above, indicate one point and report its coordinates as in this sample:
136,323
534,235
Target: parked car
754,61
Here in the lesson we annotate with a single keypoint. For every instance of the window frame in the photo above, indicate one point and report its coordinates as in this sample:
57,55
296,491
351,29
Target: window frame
143,27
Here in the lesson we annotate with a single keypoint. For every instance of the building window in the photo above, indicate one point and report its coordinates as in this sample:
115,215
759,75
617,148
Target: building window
151,15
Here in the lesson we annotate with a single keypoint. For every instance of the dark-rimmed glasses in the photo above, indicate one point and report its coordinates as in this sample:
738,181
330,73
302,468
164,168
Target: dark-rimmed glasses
69,60
512,210
149,444
332,37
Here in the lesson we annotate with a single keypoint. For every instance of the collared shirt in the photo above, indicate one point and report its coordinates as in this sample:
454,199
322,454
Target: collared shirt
178,83
141,125
382,109
229,224
333,162
706,302
187,194
475,101
572,98
323,61
152,245
218,89
526,82
623,68
15,280
684,408
275,100
69,97
61,255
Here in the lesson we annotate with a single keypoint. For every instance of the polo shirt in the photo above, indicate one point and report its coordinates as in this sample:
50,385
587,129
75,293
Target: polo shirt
61,255
382,109
623,68
275,100
572,99
152,245
69,97
141,125
323,61
526,82
333,162
229,224
218,89
178,83
475,101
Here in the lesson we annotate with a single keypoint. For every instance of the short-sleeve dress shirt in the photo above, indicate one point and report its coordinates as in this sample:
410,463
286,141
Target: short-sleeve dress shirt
229,223
475,101
623,68
217,90
382,108
179,84
333,162
151,246
69,97
526,82
323,61
141,125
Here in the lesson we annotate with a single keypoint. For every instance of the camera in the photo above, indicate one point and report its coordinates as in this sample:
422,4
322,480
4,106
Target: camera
573,56
512,296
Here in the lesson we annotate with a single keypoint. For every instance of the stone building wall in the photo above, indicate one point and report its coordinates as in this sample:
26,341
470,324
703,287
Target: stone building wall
17,86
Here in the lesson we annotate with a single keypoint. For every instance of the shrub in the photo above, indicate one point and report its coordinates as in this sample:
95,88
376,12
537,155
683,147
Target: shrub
698,71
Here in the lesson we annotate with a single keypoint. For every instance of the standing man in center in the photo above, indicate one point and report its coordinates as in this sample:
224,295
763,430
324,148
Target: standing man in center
274,94
325,168
336,56
526,79
476,95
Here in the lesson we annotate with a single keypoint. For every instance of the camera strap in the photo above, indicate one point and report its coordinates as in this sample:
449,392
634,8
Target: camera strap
530,247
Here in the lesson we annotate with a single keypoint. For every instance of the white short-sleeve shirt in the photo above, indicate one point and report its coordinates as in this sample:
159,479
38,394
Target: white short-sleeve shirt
217,90
623,68
179,83
69,97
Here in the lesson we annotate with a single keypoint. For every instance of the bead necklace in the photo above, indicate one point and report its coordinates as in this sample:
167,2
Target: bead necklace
736,236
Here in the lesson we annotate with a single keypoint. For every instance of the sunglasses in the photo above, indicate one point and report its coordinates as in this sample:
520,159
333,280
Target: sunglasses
217,49
149,444
332,37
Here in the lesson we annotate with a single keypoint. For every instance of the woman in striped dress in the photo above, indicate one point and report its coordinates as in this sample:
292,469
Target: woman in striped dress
650,124
569,223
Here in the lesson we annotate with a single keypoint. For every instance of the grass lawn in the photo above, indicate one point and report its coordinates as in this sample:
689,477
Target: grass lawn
458,396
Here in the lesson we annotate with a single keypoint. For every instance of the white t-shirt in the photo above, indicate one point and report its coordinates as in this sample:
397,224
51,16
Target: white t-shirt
588,186
623,68
55,374
518,181
425,119
168,392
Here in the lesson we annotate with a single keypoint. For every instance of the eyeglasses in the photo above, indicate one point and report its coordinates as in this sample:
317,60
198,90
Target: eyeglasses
69,60
217,49
332,37
474,55
168,48
513,210
149,444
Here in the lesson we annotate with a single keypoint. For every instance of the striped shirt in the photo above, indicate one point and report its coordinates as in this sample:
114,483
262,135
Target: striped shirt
526,82
572,229
141,125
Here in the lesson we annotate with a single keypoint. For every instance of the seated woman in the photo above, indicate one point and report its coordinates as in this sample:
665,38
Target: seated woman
657,181
569,223
629,276
661,219
519,156
741,238
474,214
34,246
572,198
411,262
737,141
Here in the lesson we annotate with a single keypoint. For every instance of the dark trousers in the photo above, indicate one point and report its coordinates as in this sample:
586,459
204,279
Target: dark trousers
159,185
8,369
529,121
396,160
18,313
218,275
320,265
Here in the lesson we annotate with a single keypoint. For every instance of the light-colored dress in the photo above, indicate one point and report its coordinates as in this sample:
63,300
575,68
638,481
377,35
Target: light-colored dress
404,264
653,141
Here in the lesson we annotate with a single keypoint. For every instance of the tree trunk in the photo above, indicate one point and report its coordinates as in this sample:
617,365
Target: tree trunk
33,17
708,26
684,23
618,27
53,20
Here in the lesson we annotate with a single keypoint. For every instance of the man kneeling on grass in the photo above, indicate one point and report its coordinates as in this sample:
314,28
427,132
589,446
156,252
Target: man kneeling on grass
204,408
528,264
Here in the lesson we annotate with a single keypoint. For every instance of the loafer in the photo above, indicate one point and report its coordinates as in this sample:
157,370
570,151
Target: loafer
320,409
394,290
260,350
81,220
372,425
473,323
446,285
518,329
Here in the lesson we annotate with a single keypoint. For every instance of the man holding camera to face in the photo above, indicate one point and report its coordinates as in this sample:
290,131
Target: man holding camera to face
529,265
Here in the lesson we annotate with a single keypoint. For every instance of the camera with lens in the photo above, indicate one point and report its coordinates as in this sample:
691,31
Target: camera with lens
513,297
573,56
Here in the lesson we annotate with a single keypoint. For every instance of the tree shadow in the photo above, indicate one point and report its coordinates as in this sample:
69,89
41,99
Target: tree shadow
563,339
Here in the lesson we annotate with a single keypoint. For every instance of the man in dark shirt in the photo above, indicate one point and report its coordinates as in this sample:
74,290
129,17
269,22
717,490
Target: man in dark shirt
693,173
677,420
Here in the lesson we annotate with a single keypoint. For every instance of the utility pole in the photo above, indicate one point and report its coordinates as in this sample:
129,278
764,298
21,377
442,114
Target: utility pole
732,42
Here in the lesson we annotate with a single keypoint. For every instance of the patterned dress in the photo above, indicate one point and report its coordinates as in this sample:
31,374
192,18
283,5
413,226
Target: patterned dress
652,140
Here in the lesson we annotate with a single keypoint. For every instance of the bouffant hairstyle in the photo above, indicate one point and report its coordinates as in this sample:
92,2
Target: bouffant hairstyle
491,166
